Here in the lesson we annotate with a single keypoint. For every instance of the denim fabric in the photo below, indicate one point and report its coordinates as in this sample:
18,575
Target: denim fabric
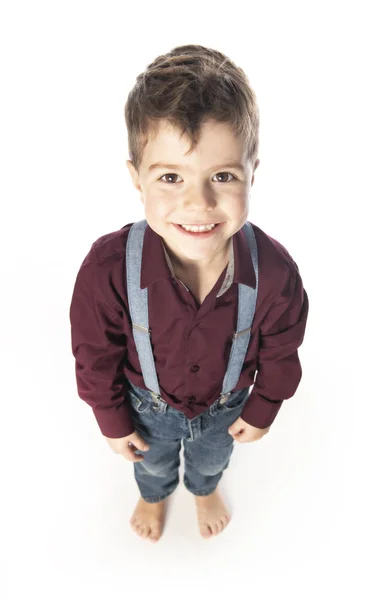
207,443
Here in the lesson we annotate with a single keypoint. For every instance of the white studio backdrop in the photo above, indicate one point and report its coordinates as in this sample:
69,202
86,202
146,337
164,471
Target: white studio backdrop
305,498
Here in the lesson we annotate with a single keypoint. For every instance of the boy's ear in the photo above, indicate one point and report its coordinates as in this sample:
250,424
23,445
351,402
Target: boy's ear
255,166
134,175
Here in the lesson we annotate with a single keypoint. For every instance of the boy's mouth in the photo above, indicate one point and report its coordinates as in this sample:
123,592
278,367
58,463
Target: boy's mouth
207,232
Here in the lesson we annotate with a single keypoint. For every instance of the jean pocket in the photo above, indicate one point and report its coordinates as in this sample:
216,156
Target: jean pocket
141,405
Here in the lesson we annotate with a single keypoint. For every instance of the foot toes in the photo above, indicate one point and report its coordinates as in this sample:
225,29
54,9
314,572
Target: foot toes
214,528
205,531
155,534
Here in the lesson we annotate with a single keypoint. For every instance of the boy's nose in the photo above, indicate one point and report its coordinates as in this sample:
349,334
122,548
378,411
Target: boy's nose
199,202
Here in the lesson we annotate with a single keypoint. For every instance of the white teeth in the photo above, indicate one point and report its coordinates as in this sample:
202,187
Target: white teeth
199,228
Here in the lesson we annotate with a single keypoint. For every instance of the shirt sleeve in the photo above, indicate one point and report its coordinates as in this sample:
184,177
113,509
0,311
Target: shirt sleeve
279,369
99,346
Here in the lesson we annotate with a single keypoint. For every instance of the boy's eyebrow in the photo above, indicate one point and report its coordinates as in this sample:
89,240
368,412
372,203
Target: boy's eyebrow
159,165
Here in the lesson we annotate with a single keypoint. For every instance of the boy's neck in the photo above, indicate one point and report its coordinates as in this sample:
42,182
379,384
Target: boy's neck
194,268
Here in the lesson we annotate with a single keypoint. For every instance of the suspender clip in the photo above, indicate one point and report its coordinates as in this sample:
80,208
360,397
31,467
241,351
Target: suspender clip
224,397
141,328
237,333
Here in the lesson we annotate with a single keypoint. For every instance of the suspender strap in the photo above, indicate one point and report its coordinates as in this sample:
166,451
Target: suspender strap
138,304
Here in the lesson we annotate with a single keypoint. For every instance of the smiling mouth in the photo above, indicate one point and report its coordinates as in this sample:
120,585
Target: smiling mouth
199,224
200,234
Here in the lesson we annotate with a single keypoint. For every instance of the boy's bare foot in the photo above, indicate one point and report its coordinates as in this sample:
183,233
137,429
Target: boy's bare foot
148,518
212,514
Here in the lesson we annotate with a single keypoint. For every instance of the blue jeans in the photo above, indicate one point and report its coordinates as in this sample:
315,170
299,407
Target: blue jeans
207,444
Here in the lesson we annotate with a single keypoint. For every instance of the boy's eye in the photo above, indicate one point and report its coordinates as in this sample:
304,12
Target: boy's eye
174,175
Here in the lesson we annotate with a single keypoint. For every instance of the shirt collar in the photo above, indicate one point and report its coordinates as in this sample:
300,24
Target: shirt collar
156,263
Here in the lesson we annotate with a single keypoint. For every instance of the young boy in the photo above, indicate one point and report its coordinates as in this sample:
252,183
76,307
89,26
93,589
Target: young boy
174,317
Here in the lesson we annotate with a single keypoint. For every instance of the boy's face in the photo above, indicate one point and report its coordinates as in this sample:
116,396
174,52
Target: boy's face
203,188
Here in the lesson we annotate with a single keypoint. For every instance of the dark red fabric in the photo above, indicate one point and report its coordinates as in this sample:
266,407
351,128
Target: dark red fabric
191,344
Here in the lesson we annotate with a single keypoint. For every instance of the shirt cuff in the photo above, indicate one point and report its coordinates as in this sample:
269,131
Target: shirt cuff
260,412
114,421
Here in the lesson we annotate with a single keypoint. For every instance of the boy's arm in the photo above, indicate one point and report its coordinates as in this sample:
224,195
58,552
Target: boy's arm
99,346
279,369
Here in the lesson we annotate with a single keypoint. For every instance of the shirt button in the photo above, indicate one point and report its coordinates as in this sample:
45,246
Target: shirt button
191,399
195,368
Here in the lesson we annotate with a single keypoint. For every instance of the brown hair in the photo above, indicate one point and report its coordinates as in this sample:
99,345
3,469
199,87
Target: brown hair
185,87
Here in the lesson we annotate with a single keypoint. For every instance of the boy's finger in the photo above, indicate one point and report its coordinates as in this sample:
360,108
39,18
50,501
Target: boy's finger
130,454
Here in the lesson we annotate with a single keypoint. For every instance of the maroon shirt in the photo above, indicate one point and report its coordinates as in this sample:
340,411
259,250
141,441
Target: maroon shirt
191,343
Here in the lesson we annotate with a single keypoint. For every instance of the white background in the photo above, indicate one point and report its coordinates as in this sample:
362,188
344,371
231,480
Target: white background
304,499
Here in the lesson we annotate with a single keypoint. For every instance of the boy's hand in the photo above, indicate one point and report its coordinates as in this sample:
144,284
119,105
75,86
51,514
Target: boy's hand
126,446
243,432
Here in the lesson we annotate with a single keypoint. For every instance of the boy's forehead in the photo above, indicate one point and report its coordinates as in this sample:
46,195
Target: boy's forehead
165,144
